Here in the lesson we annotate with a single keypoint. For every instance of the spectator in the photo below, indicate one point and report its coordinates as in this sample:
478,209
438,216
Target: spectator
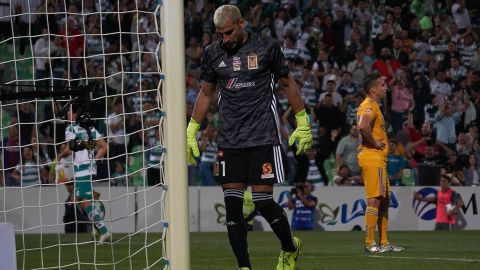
344,178
446,119
331,91
395,164
402,100
430,157
421,97
440,88
475,64
116,131
11,152
472,133
358,68
347,150
303,204
27,173
463,148
450,53
400,51
322,66
119,176
445,195
467,47
279,24
42,53
193,52
155,160
26,117
208,147
347,89
471,173
461,16
330,117
456,71
386,65
310,168
453,168
352,108
309,85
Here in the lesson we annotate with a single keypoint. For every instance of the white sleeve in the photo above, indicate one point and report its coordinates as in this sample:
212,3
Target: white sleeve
455,8
69,135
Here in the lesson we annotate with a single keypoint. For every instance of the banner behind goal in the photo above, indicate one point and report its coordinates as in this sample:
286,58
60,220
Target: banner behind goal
110,60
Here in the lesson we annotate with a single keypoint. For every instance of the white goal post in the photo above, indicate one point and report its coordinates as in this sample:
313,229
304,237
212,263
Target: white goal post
178,244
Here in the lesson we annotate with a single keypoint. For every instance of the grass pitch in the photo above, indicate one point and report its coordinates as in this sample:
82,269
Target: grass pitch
344,250
321,250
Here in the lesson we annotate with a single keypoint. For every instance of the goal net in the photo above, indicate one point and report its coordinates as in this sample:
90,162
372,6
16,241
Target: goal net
104,58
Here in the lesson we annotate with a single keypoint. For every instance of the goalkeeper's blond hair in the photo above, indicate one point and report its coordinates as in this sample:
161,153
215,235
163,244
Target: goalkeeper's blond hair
223,13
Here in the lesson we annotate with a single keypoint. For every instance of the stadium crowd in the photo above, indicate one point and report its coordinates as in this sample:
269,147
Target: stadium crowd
109,46
428,51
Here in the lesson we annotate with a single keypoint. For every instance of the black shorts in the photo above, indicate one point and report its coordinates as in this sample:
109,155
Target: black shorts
259,165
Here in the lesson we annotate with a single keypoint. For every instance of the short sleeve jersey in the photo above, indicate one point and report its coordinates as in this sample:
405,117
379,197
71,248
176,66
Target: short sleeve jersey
84,165
245,79
368,156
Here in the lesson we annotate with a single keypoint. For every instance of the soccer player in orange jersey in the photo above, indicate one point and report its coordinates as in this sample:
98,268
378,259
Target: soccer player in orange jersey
372,159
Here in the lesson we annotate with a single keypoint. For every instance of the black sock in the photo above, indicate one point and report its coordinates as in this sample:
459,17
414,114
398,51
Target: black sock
236,226
276,217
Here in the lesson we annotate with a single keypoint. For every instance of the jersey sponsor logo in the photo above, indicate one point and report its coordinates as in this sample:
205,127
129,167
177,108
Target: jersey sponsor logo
236,63
222,64
267,171
252,61
233,84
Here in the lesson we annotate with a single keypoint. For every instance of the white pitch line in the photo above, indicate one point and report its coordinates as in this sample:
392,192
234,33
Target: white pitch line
424,258
334,257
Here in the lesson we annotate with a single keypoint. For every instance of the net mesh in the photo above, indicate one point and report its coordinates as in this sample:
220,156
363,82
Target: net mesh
111,48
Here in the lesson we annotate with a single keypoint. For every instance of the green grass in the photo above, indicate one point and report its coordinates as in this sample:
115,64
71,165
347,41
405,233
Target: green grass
322,250
90,256
344,250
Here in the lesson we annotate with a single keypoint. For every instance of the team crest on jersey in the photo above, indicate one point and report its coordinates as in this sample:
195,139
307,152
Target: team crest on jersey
252,61
267,171
236,63
220,154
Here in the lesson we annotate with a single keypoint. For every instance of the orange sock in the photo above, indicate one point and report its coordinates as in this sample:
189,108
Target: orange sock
371,217
382,227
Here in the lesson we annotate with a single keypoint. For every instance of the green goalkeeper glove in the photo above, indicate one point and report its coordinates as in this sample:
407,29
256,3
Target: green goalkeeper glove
302,133
192,145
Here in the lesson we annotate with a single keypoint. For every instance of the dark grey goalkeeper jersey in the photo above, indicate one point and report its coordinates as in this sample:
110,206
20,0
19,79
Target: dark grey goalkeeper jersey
245,78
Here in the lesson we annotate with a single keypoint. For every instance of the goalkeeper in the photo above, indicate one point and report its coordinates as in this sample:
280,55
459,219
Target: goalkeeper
244,66
82,142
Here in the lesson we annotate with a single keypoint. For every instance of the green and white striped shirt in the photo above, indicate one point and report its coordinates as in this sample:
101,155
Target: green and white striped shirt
155,157
84,165
29,174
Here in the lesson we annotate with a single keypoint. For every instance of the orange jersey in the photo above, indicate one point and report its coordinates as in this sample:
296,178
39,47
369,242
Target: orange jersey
367,155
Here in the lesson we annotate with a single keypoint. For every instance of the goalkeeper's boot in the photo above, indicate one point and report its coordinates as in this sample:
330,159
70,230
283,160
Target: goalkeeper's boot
288,260
373,248
391,248
103,238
